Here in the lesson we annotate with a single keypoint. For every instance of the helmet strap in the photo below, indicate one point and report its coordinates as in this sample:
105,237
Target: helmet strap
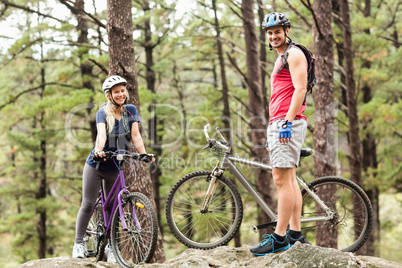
286,36
290,40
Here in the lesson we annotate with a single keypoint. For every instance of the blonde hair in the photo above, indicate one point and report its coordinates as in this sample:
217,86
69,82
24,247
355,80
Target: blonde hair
109,108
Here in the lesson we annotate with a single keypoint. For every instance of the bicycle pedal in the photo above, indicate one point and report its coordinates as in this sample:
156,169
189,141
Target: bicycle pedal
90,253
254,228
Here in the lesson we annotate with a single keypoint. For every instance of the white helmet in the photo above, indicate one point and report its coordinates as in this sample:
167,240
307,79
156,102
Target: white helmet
112,81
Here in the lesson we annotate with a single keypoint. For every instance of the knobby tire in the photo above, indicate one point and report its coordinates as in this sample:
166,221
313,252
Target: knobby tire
95,243
203,230
134,246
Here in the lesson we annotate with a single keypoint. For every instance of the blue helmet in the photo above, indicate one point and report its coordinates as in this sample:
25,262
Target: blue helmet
275,19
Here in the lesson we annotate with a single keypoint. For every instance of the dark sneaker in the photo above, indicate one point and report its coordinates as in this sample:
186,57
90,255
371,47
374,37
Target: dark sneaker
269,245
302,239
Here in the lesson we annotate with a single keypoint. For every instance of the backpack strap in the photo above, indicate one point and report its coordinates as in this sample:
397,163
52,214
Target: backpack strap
124,118
310,65
284,58
126,126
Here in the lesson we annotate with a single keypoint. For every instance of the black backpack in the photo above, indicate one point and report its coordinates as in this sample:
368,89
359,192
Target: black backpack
311,81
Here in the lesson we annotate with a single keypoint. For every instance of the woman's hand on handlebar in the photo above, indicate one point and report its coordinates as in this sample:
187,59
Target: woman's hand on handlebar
151,156
99,156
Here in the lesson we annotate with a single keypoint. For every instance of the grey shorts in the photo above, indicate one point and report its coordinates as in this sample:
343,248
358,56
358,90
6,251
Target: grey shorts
286,155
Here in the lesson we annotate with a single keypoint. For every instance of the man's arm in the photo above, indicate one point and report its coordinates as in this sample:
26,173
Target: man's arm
298,71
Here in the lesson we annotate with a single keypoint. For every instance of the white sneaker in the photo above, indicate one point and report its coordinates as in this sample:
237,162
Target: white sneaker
109,254
79,250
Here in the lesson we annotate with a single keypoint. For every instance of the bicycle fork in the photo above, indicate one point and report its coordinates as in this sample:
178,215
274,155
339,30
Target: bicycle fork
211,188
123,216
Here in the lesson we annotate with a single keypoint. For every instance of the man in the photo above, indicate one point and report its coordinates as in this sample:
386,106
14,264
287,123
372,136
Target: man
286,132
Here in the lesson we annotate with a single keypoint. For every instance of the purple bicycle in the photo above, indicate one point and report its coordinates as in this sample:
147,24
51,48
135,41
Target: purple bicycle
126,220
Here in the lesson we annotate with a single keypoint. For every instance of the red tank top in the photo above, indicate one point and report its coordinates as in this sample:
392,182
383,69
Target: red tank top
282,90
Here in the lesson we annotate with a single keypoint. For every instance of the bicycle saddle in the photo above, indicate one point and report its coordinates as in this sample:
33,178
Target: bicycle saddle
306,152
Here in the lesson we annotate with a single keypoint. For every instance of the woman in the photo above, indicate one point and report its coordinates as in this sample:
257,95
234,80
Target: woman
114,132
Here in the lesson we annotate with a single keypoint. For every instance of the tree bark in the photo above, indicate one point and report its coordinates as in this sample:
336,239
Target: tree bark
353,133
369,159
41,193
121,62
121,46
265,185
227,131
263,53
336,9
154,121
78,9
85,66
325,128
257,106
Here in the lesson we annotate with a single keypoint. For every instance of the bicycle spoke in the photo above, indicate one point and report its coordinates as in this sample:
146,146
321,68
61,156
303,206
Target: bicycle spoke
218,223
351,225
136,245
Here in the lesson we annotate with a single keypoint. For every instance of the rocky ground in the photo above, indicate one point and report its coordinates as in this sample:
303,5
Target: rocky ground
300,255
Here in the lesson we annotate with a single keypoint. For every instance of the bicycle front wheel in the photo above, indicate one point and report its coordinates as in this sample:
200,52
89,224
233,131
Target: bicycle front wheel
203,229
350,224
137,244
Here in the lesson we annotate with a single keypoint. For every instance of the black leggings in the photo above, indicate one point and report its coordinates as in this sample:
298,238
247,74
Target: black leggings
91,183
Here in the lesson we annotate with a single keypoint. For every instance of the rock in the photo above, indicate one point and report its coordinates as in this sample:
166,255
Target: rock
67,262
375,262
298,256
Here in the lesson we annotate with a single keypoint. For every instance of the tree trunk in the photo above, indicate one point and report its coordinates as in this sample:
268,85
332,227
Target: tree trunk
41,193
370,166
154,121
257,107
353,133
325,128
263,53
227,131
78,9
85,66
265,185
225,88
336,9
121,62
369,159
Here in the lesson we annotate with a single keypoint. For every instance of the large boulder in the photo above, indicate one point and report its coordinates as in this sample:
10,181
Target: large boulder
298,256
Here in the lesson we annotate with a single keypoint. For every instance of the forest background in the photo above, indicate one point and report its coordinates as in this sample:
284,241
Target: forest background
192,68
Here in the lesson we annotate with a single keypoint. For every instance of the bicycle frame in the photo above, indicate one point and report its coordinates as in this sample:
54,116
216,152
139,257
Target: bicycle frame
119,187
228,163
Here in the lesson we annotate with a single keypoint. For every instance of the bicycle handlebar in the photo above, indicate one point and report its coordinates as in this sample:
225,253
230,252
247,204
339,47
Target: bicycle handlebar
213,142
206,132
121,156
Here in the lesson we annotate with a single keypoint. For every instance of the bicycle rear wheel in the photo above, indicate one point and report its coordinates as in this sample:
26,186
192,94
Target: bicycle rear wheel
203,230
351,223
94,237
137,244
